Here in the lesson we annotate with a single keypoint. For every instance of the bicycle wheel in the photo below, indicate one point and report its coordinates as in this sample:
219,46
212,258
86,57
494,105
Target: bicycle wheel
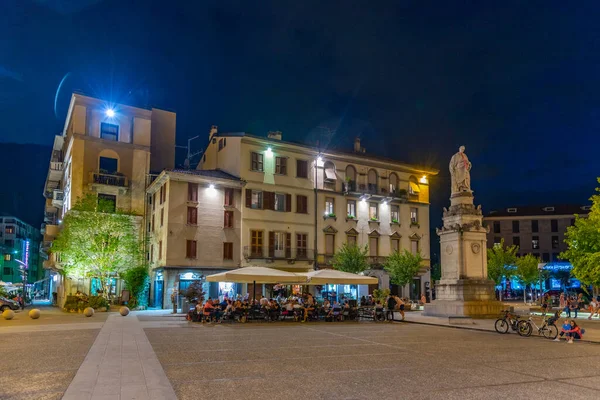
524,328
550,332
501,325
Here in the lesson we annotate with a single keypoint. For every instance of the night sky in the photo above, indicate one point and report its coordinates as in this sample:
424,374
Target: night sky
516,82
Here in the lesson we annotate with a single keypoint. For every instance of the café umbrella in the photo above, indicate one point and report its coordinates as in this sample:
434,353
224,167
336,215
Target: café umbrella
334,277
256,275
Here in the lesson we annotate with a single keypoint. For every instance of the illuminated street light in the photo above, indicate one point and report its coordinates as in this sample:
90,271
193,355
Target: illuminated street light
110,113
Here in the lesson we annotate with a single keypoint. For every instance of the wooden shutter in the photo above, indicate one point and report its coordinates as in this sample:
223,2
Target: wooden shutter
248,197
288,202
192,192
228,197
288,245
271,244
268,200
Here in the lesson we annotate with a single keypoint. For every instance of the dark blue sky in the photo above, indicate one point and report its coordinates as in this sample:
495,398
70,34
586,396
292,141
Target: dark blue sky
516,82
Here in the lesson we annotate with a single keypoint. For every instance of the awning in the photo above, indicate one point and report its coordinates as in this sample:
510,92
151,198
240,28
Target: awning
335,277
414,188
330,174
256,275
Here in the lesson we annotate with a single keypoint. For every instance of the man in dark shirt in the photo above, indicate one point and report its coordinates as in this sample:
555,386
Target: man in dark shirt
391,305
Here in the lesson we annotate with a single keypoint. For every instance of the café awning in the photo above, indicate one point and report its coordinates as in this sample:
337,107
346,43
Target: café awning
256,275
335,277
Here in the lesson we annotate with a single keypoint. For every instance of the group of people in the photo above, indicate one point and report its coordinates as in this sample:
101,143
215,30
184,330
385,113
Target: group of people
570,330
572,305
297,307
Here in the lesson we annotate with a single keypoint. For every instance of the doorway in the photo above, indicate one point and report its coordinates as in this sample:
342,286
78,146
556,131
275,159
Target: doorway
158,294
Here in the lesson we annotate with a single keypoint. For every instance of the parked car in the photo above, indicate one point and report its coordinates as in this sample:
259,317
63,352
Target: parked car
7,304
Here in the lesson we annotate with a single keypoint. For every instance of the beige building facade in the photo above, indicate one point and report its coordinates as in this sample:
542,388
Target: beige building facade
194,227
105,149
301,204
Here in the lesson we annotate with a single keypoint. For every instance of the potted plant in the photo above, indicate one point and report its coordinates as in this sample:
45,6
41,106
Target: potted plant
329,215
374,219
394,221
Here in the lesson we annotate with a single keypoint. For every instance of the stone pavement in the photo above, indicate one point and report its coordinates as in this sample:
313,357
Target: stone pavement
120,365
349,360
592,327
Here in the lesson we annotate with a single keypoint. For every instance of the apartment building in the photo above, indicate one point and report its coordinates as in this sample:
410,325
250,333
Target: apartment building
194,225
19,243
302,203
537,230
109,150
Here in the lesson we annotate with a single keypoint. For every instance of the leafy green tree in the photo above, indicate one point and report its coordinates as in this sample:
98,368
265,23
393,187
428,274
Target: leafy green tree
527,271
96,242
137,281
583,240
403,266
501,261
351,258
436,272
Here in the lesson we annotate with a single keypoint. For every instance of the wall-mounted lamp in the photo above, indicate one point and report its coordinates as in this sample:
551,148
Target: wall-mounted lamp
423,179
110,112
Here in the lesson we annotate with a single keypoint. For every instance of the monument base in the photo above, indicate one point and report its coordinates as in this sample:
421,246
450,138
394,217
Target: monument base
474,298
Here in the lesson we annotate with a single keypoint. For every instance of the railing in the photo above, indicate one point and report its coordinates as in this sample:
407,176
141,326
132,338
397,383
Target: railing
325,259
108,179
275,253
350,186
56,165
50,218
372,188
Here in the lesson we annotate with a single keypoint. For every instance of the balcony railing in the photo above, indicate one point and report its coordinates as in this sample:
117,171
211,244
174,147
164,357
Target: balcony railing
51,218
56,165
275,253
109,179
325,259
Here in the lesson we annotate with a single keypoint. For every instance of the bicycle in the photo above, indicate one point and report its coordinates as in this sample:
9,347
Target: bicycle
548,329
509,320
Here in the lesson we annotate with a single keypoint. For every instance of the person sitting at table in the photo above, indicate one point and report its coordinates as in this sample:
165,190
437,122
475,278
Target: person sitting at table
263,301
309,307
273,310
363,301
326,305
335,312
207,310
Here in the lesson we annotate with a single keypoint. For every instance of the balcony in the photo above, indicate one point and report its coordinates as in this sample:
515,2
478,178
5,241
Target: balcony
100,178
275,253
57,198
325,259
51,218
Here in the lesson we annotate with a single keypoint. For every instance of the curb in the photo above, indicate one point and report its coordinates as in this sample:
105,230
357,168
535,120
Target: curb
483,330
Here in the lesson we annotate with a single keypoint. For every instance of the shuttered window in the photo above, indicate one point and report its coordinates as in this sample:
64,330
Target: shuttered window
301,169
190,249
227,251
228,219
301,204
192,215
193,192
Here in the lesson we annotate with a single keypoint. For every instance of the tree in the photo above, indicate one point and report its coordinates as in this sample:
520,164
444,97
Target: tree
137,281
583,240
98,241
351,258
403,266
436,272
527,271
194,293
501,261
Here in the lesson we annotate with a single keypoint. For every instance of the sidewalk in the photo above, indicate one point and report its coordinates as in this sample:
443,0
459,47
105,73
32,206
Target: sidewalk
592,327
121,365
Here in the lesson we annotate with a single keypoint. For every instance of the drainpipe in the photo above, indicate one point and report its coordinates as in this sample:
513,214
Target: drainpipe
316,230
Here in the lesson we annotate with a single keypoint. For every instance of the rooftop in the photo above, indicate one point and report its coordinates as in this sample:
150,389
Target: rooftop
210,173
539,210
365,155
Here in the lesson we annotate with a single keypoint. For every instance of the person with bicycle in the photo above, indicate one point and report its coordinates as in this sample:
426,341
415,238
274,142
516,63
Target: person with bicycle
391,305
545,304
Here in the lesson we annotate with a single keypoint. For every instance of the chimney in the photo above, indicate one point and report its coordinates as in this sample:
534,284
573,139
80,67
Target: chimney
357,145
275,135
213,131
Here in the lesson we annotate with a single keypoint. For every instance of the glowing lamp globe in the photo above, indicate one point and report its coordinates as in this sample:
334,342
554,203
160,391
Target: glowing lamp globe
110,113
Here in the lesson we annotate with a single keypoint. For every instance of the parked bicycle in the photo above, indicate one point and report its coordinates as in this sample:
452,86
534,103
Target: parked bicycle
548,328
510,321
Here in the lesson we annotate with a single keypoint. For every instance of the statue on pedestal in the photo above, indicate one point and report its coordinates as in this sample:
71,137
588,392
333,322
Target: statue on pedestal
460,175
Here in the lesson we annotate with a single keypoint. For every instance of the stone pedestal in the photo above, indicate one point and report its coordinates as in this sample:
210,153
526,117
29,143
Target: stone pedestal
464,290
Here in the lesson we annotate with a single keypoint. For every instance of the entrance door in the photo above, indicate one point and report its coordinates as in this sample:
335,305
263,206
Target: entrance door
158,294
279,244
415,289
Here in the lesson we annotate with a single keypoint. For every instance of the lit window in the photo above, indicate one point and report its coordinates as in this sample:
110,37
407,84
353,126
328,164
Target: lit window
414,215
394,214
257,199
351,208
535,242
373,214
329,206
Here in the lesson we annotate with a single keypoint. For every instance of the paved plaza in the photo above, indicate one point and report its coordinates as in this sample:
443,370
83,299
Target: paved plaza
152,355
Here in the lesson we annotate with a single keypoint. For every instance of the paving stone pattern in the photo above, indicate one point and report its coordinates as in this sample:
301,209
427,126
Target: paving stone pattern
369,361
121,365
40,364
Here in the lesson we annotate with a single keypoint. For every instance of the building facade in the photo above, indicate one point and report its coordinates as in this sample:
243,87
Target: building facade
537,230
108,150
19,243
301,204
194,226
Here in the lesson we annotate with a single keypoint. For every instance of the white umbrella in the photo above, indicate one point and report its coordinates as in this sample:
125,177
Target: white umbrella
335,277
256,275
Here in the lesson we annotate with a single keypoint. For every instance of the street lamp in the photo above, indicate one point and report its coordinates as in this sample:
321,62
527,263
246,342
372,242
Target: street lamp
110,113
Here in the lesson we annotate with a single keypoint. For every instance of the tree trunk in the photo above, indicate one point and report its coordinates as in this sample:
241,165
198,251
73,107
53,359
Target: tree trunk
525,294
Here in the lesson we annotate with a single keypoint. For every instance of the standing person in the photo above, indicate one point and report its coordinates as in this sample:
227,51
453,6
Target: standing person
574,305
545,304
391,305
561,303
423,299
592,307
402,308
